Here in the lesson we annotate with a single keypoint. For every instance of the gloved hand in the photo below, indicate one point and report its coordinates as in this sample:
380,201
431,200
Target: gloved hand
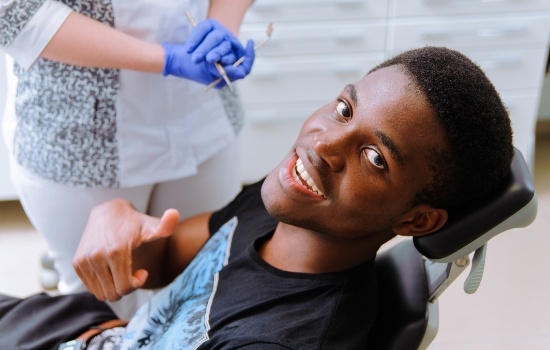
209,42
178,62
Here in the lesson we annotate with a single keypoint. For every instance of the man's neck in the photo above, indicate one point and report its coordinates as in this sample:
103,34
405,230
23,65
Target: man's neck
295,249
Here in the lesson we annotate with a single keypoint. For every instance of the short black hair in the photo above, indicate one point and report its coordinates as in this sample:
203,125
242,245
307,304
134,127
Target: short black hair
479,132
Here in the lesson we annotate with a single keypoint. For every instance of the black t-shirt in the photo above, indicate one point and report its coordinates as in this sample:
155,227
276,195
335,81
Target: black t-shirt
230,298
266,308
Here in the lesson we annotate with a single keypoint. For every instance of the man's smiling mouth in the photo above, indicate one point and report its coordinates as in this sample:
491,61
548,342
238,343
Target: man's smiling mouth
301,176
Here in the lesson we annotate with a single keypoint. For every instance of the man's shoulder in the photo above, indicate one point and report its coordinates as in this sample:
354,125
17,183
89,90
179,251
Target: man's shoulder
246,205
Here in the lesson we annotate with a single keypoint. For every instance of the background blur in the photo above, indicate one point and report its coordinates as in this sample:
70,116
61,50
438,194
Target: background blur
316,48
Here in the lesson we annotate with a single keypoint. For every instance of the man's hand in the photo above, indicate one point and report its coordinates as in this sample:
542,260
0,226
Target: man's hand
210,42
104,256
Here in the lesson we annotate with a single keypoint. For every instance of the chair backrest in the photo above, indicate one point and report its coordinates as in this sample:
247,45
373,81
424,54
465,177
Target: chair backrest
402,316
403,312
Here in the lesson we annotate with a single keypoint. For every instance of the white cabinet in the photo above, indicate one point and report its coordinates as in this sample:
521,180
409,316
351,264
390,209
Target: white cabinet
318,46
410,8
507,38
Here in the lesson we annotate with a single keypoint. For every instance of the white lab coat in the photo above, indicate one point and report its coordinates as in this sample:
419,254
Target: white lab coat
157,128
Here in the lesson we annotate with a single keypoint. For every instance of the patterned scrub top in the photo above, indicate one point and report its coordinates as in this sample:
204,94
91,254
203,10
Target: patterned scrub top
96,127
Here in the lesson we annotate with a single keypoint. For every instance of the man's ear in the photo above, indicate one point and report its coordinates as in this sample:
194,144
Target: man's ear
420,221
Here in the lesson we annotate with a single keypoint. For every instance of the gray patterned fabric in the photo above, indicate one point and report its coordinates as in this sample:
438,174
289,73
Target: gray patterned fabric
15,18
233,108
66,114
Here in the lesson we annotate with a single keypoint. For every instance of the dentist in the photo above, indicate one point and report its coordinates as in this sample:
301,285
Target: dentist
110,102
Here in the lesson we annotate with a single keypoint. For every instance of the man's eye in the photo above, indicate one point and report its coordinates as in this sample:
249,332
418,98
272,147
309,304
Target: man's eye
343,110
375,158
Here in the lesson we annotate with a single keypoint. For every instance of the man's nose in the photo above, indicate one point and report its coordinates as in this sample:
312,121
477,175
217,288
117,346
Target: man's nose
330,148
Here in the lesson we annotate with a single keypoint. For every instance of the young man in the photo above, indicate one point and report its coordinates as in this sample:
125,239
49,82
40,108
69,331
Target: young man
289,263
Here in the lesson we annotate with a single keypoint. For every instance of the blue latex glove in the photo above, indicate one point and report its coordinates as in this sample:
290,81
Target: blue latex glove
178,62
209,42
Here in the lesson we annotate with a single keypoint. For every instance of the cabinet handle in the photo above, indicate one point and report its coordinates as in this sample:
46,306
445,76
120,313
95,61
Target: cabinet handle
268,71
262,118
451,1
513,29
507,30
275,118
349,2
348,35
265,72
502,61
434,33
346,69
266,5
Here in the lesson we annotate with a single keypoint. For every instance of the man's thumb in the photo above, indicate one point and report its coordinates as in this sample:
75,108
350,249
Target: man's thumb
155,228
168,223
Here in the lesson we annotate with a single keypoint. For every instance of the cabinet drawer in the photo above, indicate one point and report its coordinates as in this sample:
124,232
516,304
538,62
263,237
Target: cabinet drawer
517,32
511,69
275,113
264,11
305,78
319,38
409,8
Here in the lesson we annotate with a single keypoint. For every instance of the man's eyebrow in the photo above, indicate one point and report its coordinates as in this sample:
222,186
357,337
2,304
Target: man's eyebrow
352,91
394,150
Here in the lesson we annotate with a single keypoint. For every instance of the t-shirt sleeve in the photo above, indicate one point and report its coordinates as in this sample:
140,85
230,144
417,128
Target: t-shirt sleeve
26,27
247,200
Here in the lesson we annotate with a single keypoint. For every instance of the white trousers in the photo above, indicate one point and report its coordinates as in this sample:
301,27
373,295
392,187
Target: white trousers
60,213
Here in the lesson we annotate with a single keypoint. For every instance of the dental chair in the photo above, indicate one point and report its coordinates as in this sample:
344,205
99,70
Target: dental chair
413,273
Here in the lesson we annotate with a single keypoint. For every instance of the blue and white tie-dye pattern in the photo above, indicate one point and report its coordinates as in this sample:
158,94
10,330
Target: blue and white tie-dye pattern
177,316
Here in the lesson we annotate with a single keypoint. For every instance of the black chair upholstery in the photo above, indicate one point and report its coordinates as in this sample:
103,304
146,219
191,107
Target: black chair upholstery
468,224
403,307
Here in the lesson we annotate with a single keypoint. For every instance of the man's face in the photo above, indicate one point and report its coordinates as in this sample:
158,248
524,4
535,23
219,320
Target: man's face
359,160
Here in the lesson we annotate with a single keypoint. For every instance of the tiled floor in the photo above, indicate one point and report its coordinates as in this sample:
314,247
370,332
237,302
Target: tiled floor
510,310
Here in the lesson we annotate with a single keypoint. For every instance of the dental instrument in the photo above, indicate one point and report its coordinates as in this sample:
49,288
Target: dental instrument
269,31
217,64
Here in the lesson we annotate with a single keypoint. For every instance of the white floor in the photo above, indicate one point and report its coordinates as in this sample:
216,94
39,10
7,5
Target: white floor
510,310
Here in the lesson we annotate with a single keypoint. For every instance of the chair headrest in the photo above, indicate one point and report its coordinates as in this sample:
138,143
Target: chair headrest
513,205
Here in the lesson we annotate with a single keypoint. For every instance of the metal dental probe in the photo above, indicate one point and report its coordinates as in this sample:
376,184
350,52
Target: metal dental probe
217,64
240,60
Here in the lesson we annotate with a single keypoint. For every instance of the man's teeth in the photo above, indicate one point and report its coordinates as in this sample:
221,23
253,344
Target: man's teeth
301,176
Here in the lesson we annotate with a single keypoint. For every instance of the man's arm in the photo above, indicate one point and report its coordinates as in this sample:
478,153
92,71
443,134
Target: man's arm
122,249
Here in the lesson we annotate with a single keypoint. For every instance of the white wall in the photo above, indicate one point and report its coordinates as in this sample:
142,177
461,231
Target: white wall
544,108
